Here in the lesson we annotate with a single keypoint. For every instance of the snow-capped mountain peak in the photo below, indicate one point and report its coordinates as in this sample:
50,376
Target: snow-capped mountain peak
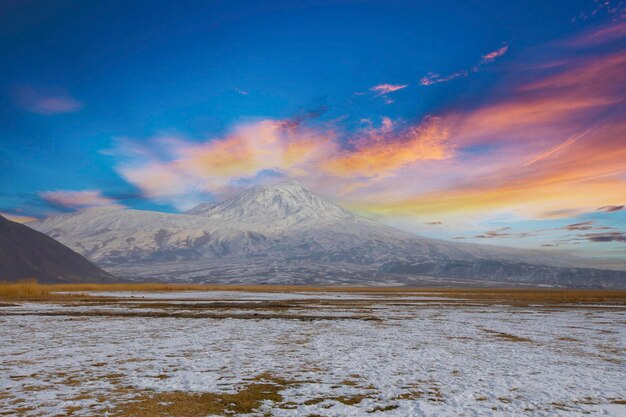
287,202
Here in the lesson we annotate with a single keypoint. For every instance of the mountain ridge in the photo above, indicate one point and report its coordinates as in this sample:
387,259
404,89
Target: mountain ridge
271,233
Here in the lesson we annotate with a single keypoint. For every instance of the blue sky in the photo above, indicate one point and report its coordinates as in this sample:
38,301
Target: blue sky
452,118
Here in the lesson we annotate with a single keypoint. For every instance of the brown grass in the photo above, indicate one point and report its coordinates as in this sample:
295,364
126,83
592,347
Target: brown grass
246,400
183,315
24,289
518,297
506,336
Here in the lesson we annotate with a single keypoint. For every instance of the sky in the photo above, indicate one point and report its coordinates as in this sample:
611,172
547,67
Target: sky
473,120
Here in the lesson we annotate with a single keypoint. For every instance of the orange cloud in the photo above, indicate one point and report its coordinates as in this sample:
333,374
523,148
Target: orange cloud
554,147
283,146
380,151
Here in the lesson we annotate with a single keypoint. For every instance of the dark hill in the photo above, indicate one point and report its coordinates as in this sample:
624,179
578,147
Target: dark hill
26,253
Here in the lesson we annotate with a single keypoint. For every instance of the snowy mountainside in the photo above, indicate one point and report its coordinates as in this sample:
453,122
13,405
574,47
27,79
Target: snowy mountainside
286,234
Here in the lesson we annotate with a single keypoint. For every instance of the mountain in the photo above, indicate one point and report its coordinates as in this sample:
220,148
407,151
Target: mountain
285,234
26,253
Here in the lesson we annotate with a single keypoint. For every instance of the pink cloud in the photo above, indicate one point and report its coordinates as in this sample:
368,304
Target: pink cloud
46,102
495,54
599,35
78,199
434,78
383,89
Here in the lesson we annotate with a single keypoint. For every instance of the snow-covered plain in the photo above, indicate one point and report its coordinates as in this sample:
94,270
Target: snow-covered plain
415,359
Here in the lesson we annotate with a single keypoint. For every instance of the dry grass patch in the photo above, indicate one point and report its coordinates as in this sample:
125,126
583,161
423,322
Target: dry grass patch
515,297
188,315
506,336
248,399
28,289
382,409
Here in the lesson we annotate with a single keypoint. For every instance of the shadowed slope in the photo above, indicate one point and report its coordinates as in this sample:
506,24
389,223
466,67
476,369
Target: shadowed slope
27,253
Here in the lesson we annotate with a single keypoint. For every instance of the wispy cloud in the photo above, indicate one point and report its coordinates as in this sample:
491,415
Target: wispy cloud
491,56
611,209
387,88
598,36
78,199
435,78
588,225
503,232
242,92
383,91
606,237
46,101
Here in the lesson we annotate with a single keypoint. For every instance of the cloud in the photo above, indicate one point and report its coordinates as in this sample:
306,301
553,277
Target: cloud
242,92
616,9
606,237
383,89
503,232
611,209
552,147
78,199
46,102
437,223
599,36
379,151
249,152
491,56
588,225
435,78
167,169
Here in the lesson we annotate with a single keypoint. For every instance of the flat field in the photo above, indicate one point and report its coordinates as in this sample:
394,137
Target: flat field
151,351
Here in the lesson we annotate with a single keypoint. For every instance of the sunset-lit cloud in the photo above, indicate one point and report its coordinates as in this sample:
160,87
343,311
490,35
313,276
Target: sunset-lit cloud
383,91
495,54
387,88
435,78
379,151
214,166
78,199
46,101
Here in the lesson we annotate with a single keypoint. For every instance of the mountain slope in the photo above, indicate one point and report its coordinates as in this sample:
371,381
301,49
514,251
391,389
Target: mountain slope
286,234
26,253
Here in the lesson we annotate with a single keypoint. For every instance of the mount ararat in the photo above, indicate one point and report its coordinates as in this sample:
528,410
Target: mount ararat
285,234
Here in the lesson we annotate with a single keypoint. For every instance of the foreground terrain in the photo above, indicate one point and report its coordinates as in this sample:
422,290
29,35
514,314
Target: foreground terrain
280,352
